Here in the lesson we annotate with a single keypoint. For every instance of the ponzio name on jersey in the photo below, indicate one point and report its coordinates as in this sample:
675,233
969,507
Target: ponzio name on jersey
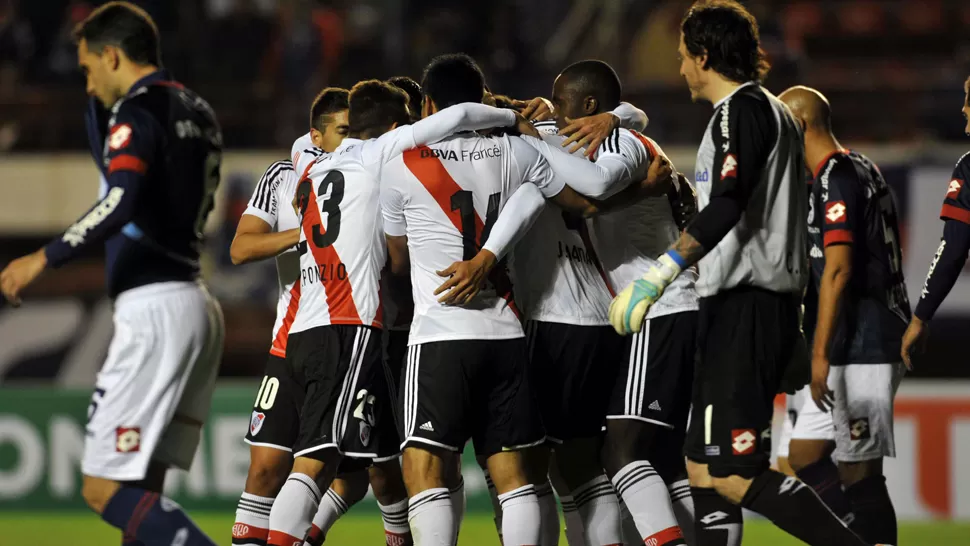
325,272
465,155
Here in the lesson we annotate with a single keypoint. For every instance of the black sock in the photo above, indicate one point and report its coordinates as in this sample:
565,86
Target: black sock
796,509
823,477
717,521
875,518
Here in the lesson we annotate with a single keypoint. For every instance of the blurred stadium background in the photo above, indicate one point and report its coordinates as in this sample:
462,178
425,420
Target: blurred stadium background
893,70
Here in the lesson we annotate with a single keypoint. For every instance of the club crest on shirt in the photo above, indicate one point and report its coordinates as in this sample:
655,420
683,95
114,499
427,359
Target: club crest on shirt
127,439
730,167
954,188
256,423
120,136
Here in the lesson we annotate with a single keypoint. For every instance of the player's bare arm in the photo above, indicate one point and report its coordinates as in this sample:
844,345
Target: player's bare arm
835,279
398,259
255,240
20,273
591,131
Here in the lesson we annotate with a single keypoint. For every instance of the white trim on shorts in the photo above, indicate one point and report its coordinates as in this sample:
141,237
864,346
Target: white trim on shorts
638,418
271,446
429,442
346,399
411,366
385,459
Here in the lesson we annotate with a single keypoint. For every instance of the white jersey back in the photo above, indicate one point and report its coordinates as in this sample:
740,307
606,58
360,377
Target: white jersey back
558,275
445,197
272,202
342,239
629,240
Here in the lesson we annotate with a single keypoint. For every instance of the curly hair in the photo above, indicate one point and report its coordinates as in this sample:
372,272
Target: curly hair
728,34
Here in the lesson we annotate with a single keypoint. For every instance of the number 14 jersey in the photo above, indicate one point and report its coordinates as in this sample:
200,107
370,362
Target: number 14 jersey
445,198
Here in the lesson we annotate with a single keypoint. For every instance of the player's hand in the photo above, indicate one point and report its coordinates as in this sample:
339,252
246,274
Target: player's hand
525,127
914,341
629,308
683,201
589,132
465,279
537,109
20,273
823,396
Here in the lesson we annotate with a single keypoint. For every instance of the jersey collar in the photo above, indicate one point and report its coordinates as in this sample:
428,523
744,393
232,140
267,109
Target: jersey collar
830,155
158,77
740,87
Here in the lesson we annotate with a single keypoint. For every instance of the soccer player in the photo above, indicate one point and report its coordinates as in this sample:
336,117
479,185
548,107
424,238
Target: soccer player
334,342
750,241
951,255
158,146
861,314
466,371
270,228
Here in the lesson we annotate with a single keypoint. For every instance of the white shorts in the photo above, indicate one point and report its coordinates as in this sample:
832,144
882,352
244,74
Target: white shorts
155,388
861,423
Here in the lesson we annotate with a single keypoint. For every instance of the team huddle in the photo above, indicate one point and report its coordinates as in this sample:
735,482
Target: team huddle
531,276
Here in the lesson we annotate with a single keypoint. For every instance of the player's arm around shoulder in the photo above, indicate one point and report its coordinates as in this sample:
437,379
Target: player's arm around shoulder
256,237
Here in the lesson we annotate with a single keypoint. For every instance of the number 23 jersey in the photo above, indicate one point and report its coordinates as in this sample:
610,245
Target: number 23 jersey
445,198
342,247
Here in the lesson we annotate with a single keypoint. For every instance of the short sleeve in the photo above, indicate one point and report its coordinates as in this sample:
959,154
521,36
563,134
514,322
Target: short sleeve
956,204
265,201
843,205
392,209
132,140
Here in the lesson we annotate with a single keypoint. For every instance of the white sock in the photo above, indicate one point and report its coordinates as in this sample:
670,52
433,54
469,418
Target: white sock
496,506
548,515
458,501
252,520
575,534
645,495
431,518
332,506
520,516
293,510
631,535
396,522
683,505
599,509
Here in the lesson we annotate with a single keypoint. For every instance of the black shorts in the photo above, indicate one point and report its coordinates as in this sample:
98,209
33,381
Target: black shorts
572,372
345,387
746,339
276,412
657,371
478,389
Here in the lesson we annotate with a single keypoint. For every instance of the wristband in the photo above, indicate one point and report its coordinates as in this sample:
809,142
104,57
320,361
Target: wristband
677,259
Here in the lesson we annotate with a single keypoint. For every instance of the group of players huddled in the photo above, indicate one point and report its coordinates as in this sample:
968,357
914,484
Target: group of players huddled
401,224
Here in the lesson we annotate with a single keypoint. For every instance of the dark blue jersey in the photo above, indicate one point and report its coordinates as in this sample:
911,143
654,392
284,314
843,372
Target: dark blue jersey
851,204
159,150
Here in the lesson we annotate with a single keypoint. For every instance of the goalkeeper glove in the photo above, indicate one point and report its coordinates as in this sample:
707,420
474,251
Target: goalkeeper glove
630,306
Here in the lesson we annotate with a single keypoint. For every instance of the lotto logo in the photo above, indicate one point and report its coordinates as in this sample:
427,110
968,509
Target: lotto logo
859,429
713,517
240,530
954,188
120,136
835,212
743,441
730,167
127,440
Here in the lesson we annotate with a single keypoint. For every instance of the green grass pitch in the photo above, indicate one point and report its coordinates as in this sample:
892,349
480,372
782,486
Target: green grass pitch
81,529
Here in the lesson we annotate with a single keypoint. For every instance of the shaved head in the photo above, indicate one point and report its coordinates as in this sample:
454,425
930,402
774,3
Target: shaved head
810,106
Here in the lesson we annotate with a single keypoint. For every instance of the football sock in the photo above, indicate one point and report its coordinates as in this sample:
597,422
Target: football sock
645,495
521,517
683,506
599,509
293,511
397,531
252,520
432,518
152,519
631,535
458,502
797,510
332,506
717,521
548,515
575,534
875,518
496,506
823,477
